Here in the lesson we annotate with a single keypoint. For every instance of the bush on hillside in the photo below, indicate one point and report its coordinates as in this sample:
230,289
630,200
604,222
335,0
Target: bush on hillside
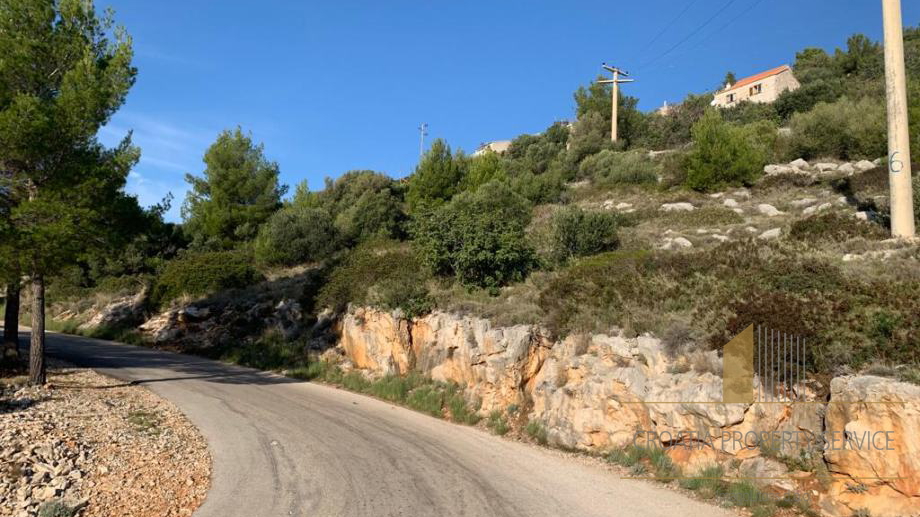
577,233
834,227
294,235
197,274
590,135
374,214
382,274
618,168
807,97
723,155
845,129
478,237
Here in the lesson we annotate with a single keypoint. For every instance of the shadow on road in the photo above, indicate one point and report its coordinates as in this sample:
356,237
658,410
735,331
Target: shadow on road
137,365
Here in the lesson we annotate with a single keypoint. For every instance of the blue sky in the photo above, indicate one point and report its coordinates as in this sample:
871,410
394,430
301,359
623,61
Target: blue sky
335,86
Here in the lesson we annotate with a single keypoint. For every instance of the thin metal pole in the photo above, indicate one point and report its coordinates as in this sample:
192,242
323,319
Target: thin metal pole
786,364
772,359
759,362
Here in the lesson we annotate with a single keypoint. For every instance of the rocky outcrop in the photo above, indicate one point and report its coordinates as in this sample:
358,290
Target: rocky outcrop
599,392
881,419
201,324
801,166
493,364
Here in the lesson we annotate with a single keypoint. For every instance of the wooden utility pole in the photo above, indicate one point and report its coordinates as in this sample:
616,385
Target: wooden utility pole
615,95
899,170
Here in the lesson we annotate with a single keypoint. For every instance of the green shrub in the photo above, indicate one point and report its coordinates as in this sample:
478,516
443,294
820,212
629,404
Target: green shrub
294,235
478,237
619,168
269,352
746,495
834,227
197,274
537,431
577,233
708,482
497,423
57,508
382,274
722,155
845,129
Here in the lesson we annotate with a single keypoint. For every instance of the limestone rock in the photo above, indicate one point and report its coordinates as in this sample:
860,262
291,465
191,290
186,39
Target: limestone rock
730,203
677,207
798,203
847,168
863,165
770,234
814,209
799,164
768,210
825,167
868,404
675,243
773,170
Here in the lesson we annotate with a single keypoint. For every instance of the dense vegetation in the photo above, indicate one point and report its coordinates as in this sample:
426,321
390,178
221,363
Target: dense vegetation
487,229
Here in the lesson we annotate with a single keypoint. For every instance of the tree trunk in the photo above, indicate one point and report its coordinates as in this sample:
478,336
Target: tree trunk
11,321
37,345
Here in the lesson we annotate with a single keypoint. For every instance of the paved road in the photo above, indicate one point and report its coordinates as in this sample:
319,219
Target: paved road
282,447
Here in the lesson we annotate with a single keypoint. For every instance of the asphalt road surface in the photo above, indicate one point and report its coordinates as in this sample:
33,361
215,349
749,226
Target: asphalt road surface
283,447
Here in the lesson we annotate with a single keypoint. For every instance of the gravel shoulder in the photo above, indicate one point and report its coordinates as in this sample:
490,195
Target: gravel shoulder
95,446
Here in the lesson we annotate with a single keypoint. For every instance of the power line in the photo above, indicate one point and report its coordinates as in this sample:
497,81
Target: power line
692,34
666,27
723,27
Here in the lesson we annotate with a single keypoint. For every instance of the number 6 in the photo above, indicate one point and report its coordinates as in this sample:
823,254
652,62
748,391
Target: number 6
894,165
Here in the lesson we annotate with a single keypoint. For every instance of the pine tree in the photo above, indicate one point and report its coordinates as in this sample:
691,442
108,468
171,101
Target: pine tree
64,71
237,193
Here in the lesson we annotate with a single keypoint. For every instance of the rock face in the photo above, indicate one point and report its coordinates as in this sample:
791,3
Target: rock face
591,392
875,405
493,364
598,392
118,311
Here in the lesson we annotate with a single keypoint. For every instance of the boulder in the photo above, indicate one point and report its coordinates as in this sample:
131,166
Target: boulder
847,168
774,170
798,203
675,243
677,207
863,165
814,209
730,203
825,167
768,210
772,233
800,164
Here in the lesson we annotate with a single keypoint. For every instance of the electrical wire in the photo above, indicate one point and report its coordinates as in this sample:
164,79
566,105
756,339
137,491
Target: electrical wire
665,28
692,34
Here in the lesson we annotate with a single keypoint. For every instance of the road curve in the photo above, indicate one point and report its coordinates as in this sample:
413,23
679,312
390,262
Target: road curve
281,447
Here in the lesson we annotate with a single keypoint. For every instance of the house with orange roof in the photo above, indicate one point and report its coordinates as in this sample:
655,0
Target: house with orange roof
763,87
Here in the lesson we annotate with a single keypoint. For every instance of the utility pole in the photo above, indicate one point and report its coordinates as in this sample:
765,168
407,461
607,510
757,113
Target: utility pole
422,133
615,95
899,173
